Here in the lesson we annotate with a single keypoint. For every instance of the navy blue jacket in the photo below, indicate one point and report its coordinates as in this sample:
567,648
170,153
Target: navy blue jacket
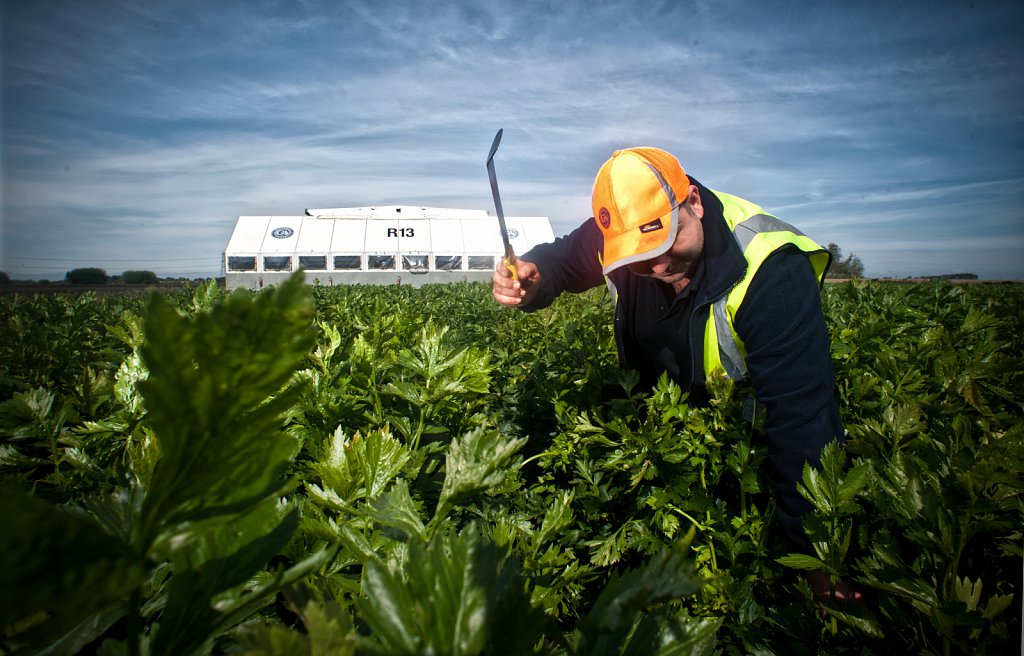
780,322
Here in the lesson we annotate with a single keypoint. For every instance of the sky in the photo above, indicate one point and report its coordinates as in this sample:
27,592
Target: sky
133,134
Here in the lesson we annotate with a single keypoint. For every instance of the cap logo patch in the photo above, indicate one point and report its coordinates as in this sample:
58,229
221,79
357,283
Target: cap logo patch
605,218
652,226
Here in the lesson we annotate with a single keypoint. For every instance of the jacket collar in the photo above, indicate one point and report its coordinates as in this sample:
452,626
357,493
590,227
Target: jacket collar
724,262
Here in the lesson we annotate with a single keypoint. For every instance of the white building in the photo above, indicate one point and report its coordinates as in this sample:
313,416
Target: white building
396,244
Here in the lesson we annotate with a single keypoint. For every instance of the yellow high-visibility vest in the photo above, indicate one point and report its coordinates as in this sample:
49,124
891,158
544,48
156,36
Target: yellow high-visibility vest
759,234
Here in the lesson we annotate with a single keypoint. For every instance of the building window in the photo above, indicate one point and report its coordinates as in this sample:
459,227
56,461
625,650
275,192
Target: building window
239,263
277,262
481,262
414,262
348,262
448,262
381,262
313,262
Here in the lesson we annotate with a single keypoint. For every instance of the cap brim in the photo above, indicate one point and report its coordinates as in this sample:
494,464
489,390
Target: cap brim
638,246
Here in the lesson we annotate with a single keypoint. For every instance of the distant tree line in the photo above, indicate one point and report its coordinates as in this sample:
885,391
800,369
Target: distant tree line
953,276
97,276
87,276
139,278
848,267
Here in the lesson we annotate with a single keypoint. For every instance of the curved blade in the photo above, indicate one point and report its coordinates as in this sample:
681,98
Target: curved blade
494,146
509,253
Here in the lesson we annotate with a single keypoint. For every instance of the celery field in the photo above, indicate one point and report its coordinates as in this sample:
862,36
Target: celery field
390,470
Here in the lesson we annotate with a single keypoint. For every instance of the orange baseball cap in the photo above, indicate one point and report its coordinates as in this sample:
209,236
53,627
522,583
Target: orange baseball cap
636,193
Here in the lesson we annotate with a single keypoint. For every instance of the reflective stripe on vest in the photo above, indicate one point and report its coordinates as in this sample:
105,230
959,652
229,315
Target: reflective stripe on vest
759,234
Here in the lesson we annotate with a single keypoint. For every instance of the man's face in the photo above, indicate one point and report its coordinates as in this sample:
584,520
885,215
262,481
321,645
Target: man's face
676,265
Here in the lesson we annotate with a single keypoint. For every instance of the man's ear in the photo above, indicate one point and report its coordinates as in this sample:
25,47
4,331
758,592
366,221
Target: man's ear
693,200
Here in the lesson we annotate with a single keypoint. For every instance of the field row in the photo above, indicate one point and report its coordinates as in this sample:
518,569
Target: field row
398,470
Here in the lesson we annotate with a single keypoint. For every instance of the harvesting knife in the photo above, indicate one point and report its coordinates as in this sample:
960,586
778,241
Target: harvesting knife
509,260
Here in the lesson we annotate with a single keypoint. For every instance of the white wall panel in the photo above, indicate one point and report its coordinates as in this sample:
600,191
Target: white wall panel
282,234
314,236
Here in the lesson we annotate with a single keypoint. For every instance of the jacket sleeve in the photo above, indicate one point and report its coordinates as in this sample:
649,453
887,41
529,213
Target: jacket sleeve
783,329
568,264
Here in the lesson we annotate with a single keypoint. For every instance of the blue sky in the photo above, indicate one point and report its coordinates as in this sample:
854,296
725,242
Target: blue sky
134,133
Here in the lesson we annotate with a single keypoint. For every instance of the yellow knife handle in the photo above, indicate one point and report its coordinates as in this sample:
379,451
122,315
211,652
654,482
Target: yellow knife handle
511,263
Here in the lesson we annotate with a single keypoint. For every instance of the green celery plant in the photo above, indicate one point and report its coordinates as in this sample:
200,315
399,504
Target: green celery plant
177,550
